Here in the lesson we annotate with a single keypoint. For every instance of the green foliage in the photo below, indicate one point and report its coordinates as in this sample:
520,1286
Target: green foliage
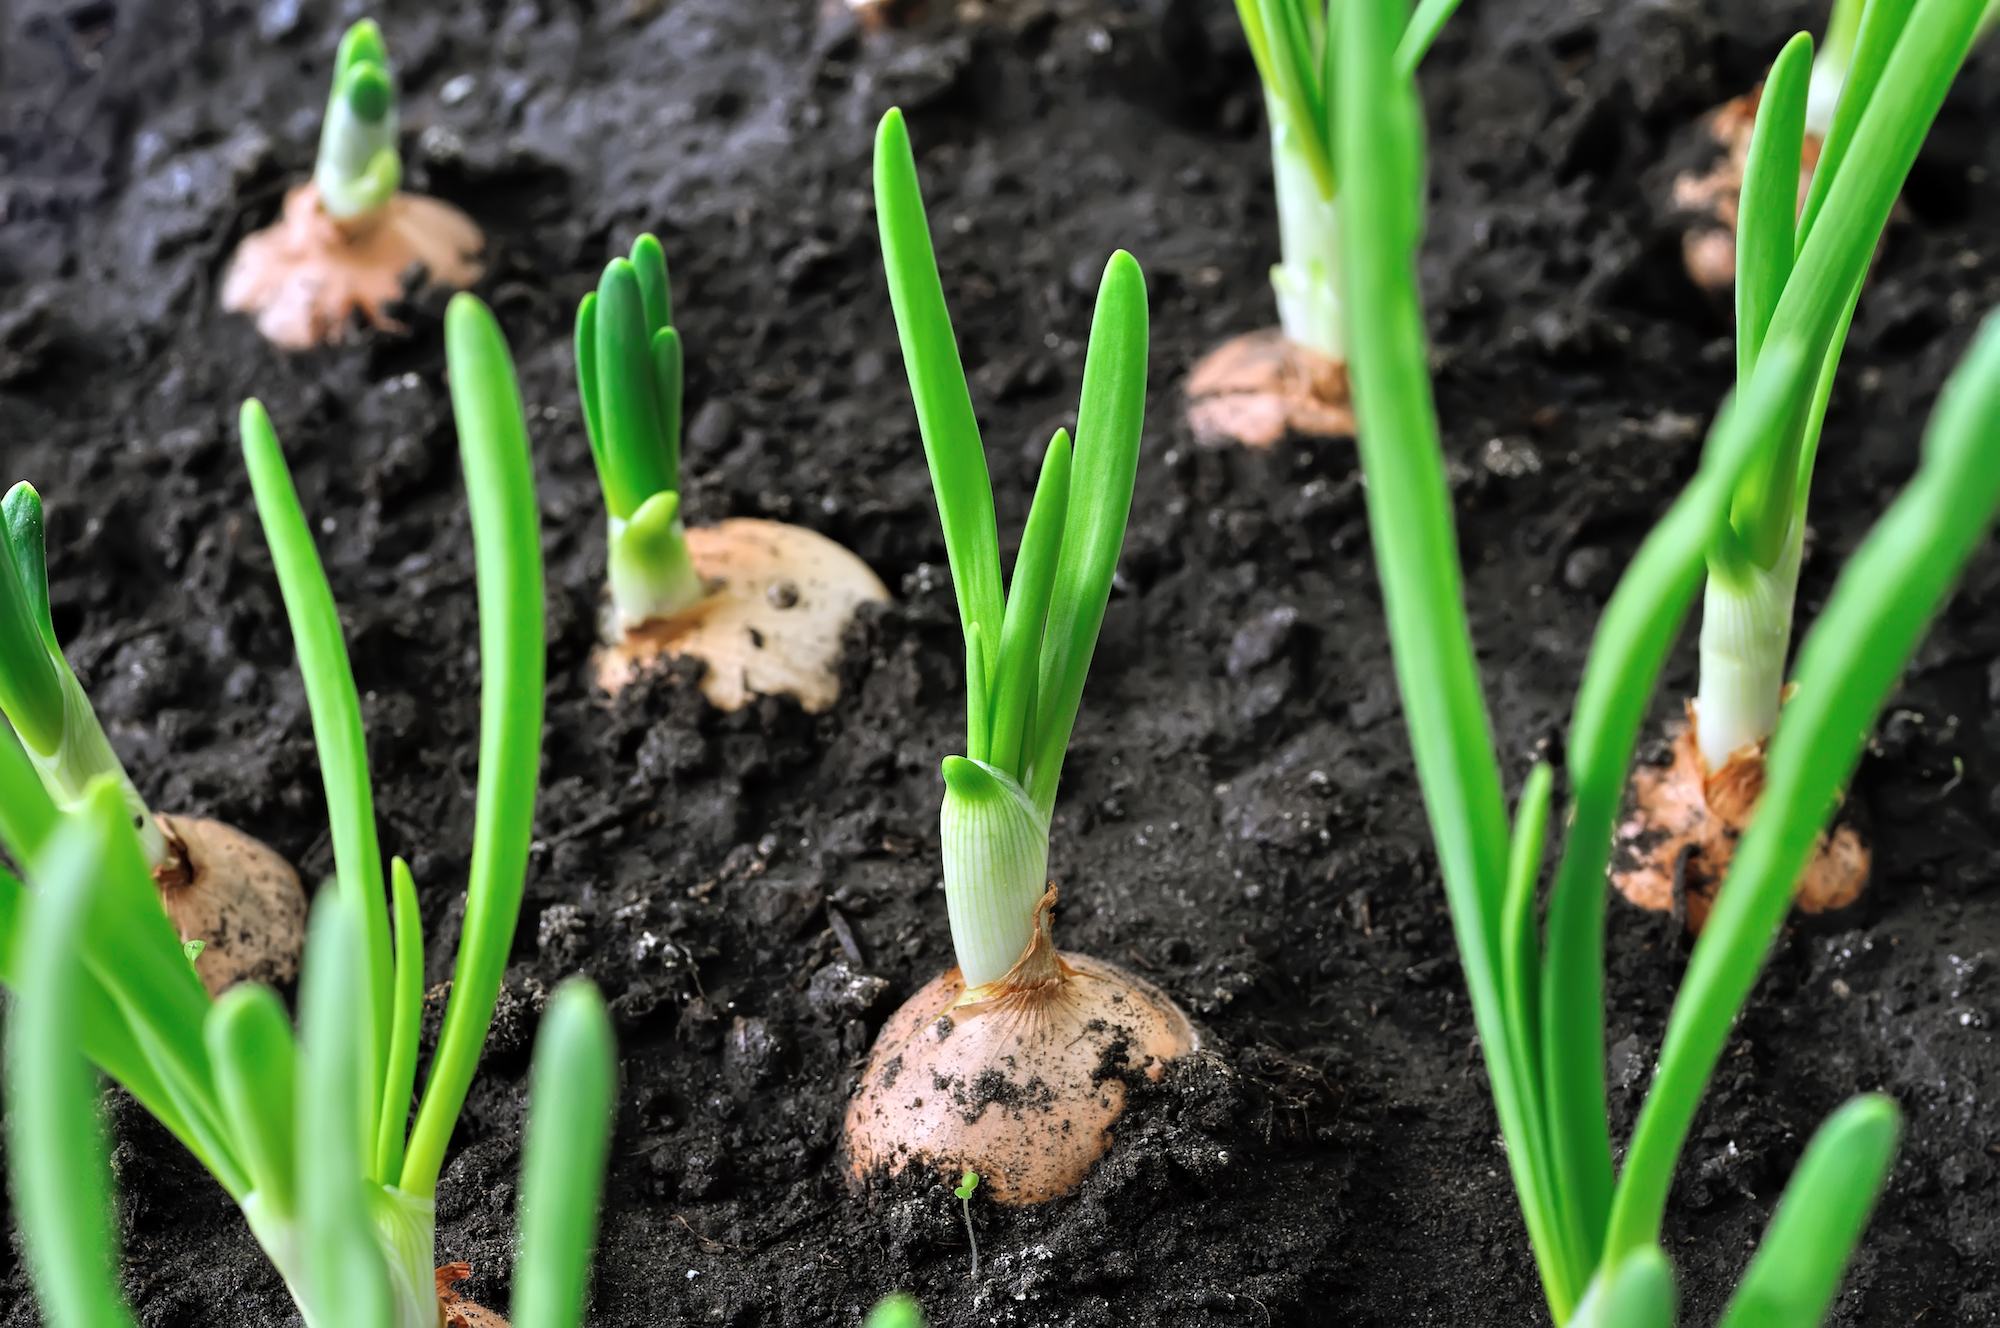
1029,650
629,375
967,1184
307,1136
1539,1003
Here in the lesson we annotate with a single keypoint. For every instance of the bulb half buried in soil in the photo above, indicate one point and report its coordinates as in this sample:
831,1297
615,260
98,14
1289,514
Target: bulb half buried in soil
1019,1080
781,599
304,277
1674,847
1256,388
237,897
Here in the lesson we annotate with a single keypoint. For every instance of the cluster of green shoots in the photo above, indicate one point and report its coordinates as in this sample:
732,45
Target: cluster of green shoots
359,169
1296,59
311,1133
629,373
1028,651
1538,990
39,694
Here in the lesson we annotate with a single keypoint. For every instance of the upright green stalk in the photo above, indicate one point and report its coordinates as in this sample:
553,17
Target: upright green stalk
38,693
1027,653
358,168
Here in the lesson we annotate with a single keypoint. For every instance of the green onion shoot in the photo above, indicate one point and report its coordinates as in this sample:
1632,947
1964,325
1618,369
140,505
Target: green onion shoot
348,235
1537,986
1027,653
235,903
1258,387
762,603
311,1133
1799,276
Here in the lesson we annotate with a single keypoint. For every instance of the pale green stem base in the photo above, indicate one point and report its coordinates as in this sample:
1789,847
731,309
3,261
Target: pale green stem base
85,754
405,1225
1746,633
650,572
996,869
1307,279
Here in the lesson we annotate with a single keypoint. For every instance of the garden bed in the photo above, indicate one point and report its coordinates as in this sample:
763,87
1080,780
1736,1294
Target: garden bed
1239,818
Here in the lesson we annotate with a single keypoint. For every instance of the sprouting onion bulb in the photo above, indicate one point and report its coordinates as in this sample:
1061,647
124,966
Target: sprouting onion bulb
1015,1016
311,1134
236,904
1288,38
629,374
359,169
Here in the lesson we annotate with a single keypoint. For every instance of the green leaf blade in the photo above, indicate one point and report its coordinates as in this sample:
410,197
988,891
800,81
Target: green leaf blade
1881,604
57,1154
507,544
937,384
1825,1207
335,706
256,1068
562,1167
1028,609
1103,468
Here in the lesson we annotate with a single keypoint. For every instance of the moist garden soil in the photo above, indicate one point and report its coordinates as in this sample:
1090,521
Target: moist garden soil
1239,818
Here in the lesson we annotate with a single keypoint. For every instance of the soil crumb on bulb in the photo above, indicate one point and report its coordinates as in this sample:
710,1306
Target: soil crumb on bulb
780,599
1019,1080
304,277
1257,388
1676,843
236,896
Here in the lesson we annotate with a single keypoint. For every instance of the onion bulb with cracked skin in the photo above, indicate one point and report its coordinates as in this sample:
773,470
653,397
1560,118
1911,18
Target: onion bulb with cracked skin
1020,1080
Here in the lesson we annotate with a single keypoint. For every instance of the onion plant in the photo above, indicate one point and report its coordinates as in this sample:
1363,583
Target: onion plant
313,1138
1296,61
1027,652
1538,991
359,169
629,374
234,902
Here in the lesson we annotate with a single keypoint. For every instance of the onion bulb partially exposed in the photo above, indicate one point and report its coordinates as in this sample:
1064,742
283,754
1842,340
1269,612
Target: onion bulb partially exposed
234,895
1020,1080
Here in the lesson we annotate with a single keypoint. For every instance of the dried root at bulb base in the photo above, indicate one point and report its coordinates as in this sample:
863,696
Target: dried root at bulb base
1007,1079
1675,846
454,1311
237,897
781,599
1261,386
306,276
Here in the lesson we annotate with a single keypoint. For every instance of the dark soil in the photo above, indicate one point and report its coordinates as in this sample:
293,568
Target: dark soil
1239,818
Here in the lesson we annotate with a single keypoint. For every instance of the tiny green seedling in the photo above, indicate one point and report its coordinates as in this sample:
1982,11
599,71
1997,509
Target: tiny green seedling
193,949
359,169
966,1185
